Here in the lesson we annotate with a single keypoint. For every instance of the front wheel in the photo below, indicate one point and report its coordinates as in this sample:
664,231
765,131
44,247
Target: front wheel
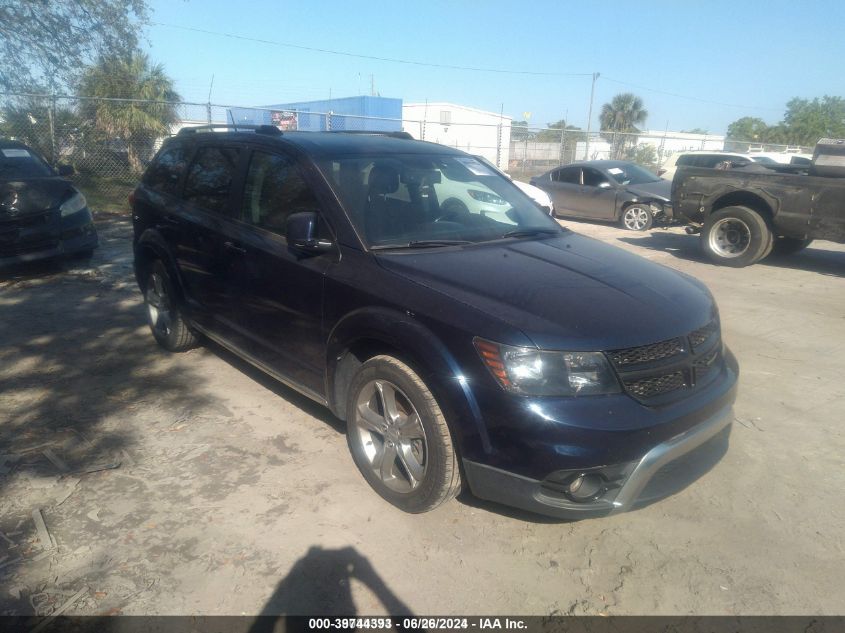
637,217
399,438
736,236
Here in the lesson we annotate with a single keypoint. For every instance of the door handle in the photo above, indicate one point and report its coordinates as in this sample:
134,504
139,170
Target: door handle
229,246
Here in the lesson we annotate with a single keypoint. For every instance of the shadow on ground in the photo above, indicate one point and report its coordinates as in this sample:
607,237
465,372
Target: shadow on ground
817,260
75,361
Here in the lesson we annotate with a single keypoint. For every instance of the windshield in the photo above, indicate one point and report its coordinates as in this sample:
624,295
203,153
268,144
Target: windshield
630,174
430,200
21,163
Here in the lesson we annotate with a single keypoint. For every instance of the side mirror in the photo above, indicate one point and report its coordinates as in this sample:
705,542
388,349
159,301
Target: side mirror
301,233
604,185
65,170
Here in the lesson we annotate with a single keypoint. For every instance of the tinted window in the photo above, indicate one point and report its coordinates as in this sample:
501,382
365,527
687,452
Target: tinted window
571,175
594,178
209,181
166,172
275,189
687,160
22,163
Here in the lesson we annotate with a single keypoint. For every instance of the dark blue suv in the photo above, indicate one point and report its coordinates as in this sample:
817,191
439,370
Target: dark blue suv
466,339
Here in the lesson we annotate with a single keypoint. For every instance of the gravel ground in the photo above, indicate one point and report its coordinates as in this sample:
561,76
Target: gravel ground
192,484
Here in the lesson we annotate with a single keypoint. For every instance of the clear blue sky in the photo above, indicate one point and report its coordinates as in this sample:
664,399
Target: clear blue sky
752,53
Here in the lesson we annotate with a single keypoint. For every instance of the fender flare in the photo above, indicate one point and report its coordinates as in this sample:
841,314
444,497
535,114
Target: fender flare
152,240
402,331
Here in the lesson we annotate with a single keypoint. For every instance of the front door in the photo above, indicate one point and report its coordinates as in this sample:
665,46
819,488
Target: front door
279,291
597,195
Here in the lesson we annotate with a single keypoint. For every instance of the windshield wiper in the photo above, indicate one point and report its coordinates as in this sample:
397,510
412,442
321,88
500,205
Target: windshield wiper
421,244
530,232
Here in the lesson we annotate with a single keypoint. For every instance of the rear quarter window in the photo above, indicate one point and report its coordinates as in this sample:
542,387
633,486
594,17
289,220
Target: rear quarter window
166,171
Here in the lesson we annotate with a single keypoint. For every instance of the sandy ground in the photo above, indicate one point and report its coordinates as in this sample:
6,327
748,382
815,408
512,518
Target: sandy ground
216,490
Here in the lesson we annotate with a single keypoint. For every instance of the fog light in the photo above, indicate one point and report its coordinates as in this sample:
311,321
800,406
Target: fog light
586,487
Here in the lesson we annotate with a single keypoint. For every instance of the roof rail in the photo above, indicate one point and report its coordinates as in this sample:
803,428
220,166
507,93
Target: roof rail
402,135
270,130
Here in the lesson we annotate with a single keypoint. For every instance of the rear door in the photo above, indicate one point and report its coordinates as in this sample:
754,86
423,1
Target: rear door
278,291
206,254
564,189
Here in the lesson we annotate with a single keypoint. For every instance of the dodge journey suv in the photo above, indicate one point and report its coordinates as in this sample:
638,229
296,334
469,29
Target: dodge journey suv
464,347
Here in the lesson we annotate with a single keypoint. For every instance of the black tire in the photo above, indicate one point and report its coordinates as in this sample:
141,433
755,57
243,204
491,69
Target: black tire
784,246
82,256
736,237
430,459
637,217
164,314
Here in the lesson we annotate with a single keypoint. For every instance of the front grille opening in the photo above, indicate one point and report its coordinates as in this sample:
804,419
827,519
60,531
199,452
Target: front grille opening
654,386
698,337
625,358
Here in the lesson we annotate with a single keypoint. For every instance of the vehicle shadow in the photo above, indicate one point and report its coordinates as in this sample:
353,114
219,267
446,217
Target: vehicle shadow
320,582
279,389
687,247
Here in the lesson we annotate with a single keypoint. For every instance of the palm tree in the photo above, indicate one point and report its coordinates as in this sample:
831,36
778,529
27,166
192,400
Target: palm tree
136,123
619,119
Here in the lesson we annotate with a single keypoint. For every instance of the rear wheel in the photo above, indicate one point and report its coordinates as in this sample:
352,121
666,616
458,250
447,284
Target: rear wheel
164,316
788,245
736,236
399,438
637,217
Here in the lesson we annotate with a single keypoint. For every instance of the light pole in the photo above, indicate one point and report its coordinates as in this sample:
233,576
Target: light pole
590,116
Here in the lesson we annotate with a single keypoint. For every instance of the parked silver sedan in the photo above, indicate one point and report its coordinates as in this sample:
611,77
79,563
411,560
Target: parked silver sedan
609,191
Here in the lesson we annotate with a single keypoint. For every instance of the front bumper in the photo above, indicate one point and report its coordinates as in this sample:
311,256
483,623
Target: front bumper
654,476
46,235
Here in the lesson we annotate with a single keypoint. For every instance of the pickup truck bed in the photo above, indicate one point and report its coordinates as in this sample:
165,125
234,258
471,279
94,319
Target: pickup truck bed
744,214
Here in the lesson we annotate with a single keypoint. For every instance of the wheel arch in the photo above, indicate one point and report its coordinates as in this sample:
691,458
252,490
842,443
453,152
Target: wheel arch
749,199
150,247
369,332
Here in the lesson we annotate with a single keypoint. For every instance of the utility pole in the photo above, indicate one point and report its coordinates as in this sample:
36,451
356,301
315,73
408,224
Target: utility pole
590,116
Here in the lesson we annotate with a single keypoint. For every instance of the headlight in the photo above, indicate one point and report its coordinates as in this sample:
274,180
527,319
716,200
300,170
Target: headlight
486,196
73,204
534,372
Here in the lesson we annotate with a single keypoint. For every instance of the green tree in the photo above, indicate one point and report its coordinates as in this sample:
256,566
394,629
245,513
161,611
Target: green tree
807,121
29,122
44,43
643,154
619,120
695,130
520,131
137,124
747,130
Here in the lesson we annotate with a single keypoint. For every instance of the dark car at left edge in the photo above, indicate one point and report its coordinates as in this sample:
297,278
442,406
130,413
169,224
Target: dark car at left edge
42,215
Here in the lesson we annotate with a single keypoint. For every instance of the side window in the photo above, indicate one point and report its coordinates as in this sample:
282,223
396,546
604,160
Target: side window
594,178
166,172
209,181
711,161
571,175
275,189
687,160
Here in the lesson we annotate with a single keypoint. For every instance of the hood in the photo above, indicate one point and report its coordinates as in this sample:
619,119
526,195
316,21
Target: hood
535,193
23,197
658,189
570,292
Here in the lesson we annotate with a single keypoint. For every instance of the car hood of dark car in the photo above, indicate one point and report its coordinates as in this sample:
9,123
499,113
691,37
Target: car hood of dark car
658,189
568,292
22,197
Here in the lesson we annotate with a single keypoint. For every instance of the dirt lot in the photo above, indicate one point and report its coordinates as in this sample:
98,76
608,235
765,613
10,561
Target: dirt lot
218,491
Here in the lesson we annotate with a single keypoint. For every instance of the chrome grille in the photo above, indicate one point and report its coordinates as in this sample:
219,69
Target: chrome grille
647,353
656,385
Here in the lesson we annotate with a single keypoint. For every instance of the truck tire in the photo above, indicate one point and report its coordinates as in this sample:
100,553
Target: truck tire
399,438
736,237
788,245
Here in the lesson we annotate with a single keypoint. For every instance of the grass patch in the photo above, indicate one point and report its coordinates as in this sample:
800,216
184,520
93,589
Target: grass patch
106,194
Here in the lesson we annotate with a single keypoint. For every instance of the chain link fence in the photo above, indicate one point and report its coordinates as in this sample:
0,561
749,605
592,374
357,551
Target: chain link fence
109,142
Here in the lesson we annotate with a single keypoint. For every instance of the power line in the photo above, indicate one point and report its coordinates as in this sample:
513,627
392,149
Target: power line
699,99
371,57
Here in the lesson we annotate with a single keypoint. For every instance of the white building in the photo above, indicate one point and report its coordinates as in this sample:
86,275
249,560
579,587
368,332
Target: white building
665,143
467,129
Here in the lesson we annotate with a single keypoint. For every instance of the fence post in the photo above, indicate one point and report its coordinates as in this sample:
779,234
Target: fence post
562,141
51,115
329,121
